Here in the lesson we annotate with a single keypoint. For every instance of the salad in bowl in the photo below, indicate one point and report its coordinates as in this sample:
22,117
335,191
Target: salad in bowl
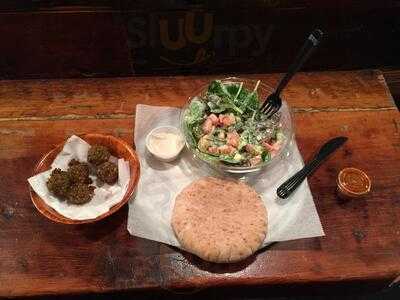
223,126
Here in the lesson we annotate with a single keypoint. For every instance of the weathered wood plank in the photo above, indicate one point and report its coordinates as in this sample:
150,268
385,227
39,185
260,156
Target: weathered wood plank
116,97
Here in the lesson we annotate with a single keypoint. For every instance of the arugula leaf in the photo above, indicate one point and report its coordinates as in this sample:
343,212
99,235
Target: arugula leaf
232,89
236,91
216,87
220,98
233,96
195,112
265,156
218,107
250,101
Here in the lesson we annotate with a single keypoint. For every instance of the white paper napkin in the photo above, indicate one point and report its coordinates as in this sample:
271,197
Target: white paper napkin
104,197
150,211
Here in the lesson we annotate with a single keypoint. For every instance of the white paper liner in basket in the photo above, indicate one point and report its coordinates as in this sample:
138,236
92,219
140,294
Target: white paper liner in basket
105,196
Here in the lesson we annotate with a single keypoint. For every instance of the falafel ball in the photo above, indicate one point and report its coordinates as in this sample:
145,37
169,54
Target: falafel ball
59,183
74,162
98,154
79,172
108,172
80,193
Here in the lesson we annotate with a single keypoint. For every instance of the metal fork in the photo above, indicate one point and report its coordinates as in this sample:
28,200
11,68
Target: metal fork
274,102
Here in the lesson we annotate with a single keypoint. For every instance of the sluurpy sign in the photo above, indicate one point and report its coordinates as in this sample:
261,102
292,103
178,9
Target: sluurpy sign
194,38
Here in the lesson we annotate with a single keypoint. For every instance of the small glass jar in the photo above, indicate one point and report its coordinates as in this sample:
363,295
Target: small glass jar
353,183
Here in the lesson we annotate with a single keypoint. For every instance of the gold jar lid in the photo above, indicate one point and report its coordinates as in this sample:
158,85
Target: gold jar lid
353,182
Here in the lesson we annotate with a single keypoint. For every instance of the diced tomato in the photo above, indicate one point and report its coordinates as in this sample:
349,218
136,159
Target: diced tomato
214,119
227,120
233,139
212,150
207,126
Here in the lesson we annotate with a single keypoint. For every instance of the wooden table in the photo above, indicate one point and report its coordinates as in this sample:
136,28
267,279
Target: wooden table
362,242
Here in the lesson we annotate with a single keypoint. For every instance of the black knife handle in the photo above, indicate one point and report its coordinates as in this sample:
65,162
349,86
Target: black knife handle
293,182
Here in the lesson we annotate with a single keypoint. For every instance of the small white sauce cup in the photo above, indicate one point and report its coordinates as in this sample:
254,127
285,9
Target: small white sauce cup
167,129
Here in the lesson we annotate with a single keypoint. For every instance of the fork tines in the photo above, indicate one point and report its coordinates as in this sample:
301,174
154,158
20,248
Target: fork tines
269,108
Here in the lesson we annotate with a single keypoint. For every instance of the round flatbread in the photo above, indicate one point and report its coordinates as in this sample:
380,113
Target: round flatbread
219,220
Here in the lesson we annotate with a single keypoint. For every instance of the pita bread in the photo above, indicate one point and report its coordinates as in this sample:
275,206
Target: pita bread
219,220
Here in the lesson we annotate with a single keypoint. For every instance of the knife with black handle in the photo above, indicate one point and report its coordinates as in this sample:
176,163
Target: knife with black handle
293,182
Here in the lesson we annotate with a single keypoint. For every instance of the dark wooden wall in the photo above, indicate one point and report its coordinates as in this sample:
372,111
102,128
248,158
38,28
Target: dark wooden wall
60,39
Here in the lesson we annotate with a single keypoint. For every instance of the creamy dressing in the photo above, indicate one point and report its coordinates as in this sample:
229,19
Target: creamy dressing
165,144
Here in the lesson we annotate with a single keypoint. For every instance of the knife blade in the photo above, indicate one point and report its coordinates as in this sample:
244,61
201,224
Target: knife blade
290,185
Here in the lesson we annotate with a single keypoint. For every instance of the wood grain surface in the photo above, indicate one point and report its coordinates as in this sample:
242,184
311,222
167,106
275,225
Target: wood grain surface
117,97
362,242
